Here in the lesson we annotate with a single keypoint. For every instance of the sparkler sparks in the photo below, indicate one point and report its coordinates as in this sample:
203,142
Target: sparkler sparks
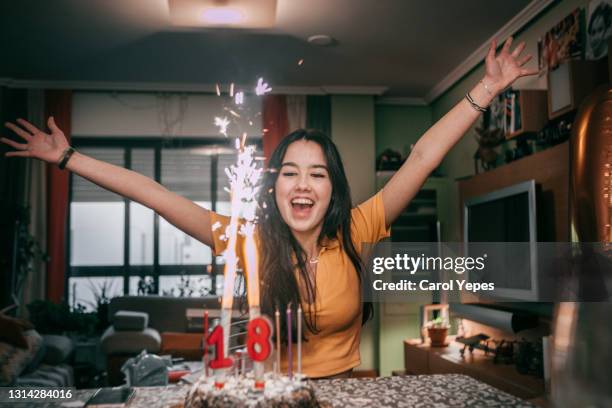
262,87
244,185
244,179
234,113
239,98
222,123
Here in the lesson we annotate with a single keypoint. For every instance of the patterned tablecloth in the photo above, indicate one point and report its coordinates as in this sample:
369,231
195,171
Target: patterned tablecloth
442,390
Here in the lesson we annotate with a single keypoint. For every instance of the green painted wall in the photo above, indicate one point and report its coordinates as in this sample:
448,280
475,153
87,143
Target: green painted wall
459,162
352,130
397,127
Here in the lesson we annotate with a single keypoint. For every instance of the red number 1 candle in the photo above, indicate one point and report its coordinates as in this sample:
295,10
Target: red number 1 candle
216,339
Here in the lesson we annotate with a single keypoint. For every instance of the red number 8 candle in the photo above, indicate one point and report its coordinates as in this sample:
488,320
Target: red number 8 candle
259,345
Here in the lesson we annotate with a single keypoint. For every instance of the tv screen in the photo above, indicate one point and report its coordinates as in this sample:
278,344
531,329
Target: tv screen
505,220
501,220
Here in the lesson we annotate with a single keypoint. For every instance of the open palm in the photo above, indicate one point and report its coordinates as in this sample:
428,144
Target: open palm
503,69
38,144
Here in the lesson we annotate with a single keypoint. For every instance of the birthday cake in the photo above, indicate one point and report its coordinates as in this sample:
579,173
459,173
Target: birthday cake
239,391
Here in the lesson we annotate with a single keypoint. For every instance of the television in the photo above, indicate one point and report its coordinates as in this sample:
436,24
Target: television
505,216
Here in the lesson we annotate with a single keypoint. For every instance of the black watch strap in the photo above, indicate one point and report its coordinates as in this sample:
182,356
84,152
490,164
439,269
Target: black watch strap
65,157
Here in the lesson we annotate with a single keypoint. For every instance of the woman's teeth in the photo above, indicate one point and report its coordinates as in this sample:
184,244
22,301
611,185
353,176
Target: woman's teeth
302,203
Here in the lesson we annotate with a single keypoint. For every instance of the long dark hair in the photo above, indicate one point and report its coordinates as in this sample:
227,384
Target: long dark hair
280,252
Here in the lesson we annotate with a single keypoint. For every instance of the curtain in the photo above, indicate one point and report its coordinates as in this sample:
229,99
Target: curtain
36,196
13,105
296,112
275,122
58,105
318,113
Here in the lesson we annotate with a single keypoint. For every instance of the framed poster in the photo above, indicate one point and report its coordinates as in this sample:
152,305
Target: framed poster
599,29
560,43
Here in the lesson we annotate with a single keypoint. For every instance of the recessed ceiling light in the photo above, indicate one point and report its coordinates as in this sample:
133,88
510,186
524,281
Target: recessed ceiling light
322,40
222,15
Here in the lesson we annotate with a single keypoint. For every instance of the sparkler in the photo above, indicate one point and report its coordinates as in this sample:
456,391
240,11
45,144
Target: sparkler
243,179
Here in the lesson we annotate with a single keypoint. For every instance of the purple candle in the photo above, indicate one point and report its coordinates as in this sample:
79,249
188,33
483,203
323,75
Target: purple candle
289,354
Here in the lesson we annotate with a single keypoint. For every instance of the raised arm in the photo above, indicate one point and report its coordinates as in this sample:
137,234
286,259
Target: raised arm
501,71
50,147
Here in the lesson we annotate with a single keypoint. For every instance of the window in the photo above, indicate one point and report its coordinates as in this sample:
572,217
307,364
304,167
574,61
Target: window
121,247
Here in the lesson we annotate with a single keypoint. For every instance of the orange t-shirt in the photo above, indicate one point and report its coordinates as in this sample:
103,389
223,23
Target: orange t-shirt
335,348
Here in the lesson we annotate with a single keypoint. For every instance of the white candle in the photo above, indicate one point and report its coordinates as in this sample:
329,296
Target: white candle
299,339
278,340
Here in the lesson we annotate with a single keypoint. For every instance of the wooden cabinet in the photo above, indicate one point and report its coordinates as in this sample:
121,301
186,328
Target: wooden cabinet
420,358
532,110
550,169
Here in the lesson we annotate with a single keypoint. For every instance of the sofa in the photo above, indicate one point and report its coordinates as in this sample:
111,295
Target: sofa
28,359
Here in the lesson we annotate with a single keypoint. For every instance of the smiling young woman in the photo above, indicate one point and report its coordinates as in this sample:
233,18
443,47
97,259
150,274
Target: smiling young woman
309,238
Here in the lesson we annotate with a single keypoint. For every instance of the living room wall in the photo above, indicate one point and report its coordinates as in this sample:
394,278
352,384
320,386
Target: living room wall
352,130
130,114
459,162
399,126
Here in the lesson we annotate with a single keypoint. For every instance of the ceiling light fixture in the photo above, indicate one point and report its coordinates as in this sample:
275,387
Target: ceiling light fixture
223,13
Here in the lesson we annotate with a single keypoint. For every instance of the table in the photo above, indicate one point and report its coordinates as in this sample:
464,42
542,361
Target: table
420,358
441,390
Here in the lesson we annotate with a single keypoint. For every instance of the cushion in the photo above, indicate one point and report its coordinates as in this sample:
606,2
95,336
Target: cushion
37,359
125,320
13,359
129,342
48,376
12,329
58,348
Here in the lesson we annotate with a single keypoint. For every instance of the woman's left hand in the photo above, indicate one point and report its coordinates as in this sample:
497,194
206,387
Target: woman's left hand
503,69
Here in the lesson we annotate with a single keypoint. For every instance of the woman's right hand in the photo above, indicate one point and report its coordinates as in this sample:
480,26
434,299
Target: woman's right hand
38,144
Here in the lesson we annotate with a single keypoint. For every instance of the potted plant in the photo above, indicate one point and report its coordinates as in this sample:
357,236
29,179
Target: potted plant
437,330
52,318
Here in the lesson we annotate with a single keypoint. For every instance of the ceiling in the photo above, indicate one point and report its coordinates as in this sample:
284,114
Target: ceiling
407,47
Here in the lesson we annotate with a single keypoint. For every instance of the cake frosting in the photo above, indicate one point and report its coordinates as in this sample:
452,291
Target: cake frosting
239,391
